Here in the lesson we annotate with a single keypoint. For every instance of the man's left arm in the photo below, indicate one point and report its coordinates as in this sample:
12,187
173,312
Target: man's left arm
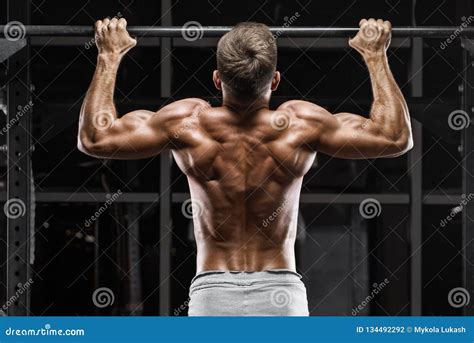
137,134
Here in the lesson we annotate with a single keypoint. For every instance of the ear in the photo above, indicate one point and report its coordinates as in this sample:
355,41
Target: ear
275,81
217,80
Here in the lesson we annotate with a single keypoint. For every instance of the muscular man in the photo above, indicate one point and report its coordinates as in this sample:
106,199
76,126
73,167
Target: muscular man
244,161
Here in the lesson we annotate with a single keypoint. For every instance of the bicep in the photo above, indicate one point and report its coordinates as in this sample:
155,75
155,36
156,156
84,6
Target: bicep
348,135
141,134
138,134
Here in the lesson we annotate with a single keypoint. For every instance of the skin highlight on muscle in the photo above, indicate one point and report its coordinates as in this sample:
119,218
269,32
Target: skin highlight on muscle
245,162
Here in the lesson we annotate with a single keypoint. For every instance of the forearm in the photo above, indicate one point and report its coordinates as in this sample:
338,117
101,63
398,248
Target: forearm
98,110
389,110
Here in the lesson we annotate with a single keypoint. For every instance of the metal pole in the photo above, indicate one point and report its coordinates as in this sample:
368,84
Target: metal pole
415,171
165,174
468,171
19,191
217,31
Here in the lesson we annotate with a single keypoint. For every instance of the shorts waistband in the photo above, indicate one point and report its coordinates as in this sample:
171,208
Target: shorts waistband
246,276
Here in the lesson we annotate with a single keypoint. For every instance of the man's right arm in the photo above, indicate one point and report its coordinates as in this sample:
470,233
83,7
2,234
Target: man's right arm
387,132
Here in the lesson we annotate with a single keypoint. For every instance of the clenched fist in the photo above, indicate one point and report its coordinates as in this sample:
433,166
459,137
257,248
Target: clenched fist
111,37
373,37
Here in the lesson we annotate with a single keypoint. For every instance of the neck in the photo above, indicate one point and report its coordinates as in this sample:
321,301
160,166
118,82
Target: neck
245,105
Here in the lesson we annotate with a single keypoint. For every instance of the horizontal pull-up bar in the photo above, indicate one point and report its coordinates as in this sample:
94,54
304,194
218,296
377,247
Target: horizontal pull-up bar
217,31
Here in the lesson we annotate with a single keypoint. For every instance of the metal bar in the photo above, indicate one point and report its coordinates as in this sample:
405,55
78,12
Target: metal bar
468,170
442,199
95,197
283,42
217,31
415,170
134,260
18,205
165,173
306,198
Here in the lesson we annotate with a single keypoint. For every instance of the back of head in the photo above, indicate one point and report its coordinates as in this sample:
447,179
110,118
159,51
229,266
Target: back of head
246,59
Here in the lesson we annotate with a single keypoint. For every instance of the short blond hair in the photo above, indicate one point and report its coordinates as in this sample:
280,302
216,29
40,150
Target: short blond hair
246,59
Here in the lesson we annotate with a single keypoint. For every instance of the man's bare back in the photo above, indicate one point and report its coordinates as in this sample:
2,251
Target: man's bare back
245,162
245,176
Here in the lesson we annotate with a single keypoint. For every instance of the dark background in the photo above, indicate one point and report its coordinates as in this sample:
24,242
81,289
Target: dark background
340,254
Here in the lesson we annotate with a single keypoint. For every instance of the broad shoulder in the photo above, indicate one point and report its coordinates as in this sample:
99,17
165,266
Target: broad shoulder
183,108
304,109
